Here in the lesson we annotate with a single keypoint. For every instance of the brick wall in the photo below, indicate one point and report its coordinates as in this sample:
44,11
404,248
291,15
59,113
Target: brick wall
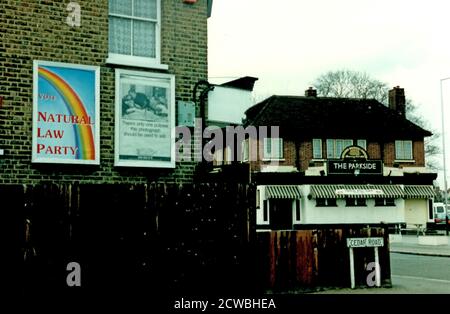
306,154
373,149
36,30
418,155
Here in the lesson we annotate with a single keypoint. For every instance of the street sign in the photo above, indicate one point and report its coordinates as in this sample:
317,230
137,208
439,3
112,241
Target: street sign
364,242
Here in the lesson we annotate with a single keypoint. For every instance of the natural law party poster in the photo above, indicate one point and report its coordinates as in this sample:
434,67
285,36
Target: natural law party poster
65,113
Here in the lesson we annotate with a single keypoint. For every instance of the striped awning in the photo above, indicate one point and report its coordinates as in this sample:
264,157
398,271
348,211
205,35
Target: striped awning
419,191
356,191
283,191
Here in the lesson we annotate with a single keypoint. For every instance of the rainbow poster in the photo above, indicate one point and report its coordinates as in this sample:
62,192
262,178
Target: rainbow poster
65,113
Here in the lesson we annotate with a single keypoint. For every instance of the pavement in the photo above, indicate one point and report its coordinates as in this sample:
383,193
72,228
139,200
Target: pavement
409,244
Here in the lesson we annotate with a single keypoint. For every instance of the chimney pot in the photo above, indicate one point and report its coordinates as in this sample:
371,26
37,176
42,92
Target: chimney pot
311,92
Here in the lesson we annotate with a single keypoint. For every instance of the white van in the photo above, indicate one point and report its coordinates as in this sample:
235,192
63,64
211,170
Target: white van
439,212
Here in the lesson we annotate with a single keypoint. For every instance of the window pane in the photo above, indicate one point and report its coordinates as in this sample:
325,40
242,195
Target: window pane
339,148
398,150
347,143
349,202
361,143
120,7
317,148
279,142
145,8
407,146
330,148
144,39
119,35
360,202
267,147
320,202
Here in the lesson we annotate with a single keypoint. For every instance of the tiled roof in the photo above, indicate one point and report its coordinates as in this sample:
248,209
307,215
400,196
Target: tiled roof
338,117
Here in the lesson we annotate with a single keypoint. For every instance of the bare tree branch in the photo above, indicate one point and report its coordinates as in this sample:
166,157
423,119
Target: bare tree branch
353,84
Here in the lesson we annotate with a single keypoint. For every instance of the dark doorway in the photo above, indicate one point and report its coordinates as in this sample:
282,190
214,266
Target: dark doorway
280,214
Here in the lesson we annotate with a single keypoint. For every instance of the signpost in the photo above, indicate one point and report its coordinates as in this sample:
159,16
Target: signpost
365,242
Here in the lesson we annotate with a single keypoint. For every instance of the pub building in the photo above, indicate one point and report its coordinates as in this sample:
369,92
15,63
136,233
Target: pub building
338,161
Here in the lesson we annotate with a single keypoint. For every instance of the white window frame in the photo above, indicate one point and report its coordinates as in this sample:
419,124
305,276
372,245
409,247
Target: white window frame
295,203
146,62
260,213
317,148
332,147
278,153
400,150
245,150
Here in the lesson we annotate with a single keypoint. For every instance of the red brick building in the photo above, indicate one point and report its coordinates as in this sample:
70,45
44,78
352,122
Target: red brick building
163,39
365,158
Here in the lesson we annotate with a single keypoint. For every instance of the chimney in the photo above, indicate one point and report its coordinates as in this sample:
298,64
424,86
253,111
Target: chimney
397,100
311,92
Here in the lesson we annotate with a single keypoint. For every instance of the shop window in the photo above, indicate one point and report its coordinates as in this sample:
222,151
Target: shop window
326,202
385,202
349,202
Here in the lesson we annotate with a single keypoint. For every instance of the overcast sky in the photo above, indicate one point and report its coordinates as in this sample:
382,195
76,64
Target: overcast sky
289,43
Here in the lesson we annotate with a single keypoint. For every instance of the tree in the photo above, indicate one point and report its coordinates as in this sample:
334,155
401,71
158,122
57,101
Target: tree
354,84
351,84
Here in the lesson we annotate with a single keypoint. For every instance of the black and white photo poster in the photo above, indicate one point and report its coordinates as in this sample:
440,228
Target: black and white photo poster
145,116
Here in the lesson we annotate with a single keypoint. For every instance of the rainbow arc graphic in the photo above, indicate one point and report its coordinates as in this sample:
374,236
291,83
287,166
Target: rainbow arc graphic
84,137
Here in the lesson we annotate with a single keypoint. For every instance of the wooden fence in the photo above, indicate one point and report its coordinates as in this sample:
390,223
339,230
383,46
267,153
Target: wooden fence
159,237
307,259
172,239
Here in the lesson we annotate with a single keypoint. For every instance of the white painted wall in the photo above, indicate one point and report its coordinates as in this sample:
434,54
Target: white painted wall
228,104
310,214
350,215
416,212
